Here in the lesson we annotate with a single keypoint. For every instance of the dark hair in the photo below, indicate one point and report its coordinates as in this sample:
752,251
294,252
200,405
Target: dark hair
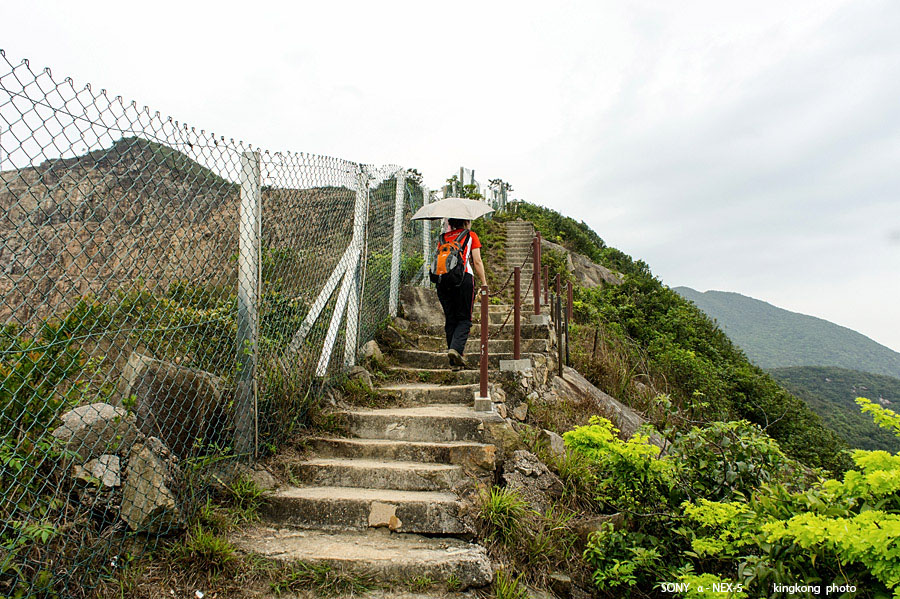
457,223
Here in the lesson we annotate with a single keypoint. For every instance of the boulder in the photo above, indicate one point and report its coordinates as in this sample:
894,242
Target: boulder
527,474
180,405
97,429
370,352
149,503
421,305
585,528
554,443
587,273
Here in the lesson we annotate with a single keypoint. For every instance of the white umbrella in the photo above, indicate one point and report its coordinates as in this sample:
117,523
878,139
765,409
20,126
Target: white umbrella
460,208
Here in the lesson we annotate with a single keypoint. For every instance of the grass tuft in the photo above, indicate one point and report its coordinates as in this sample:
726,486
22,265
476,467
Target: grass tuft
323,579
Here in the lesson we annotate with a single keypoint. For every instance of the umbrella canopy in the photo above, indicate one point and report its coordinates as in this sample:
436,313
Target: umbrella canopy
461,208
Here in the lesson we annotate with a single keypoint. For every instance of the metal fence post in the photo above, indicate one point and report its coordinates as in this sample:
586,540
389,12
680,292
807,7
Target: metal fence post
426,239
394,298
245,440
536,273
517,313
360,217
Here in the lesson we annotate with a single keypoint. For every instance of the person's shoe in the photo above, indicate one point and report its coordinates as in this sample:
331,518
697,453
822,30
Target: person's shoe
456,360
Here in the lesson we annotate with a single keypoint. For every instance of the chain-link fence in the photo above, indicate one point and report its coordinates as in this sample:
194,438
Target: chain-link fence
170,300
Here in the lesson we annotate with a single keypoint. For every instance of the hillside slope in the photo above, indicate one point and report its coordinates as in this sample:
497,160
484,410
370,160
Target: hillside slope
831,392
776,338
649,347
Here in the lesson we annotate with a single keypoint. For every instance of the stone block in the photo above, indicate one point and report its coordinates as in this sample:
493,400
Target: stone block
515,365
539,319
177,404
483,404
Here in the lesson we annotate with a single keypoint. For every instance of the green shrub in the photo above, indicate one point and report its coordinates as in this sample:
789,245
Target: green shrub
502,512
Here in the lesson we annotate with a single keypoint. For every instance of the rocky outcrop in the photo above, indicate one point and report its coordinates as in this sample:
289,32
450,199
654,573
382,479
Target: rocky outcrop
573,386
587,273
526,474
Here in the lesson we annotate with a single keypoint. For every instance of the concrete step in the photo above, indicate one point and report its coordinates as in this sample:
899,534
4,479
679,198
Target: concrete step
424,359
435,375
529,331
437,423
473,345
449,452
416,394
350,508
500,317
385,556
371,473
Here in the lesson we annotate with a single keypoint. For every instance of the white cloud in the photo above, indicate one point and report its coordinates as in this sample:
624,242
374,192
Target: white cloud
740,146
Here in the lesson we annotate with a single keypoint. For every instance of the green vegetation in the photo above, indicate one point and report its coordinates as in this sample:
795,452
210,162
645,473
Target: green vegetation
641,329
325,580
776,338
726,505
830,392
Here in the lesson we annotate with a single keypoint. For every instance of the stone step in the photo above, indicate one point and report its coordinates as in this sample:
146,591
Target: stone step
473,345
529,331
437,423
351,508
435,375
424,359
413,394
371,473
385,556
466,453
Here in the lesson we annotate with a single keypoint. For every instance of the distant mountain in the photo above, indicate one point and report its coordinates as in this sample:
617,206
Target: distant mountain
776,338
830,393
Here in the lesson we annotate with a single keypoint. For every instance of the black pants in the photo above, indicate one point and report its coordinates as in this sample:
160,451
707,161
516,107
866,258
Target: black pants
457,304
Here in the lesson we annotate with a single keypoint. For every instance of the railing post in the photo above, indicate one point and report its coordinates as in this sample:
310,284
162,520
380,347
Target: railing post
570,298
547,287
394,297
559,286
245,438
483,402
536,273
559,334
517,313
426,240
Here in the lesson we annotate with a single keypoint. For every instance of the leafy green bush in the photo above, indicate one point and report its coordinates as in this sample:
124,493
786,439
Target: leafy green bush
729,506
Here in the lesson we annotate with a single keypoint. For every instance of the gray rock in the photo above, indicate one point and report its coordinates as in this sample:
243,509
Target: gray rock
149,503
370,352
587,273
105,469
421,305
520,412
586,527
527,474
401,323
554,442
179,405
97,429
574,386
359,372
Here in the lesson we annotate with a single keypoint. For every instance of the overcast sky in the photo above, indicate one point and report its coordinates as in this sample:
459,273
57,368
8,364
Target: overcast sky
740,146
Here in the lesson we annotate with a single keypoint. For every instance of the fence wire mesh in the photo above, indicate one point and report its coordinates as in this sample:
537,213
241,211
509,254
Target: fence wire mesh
157,281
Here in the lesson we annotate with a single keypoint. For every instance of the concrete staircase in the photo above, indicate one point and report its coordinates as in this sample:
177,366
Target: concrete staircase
381,497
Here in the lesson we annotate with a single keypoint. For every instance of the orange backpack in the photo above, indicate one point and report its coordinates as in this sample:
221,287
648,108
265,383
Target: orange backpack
448,267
